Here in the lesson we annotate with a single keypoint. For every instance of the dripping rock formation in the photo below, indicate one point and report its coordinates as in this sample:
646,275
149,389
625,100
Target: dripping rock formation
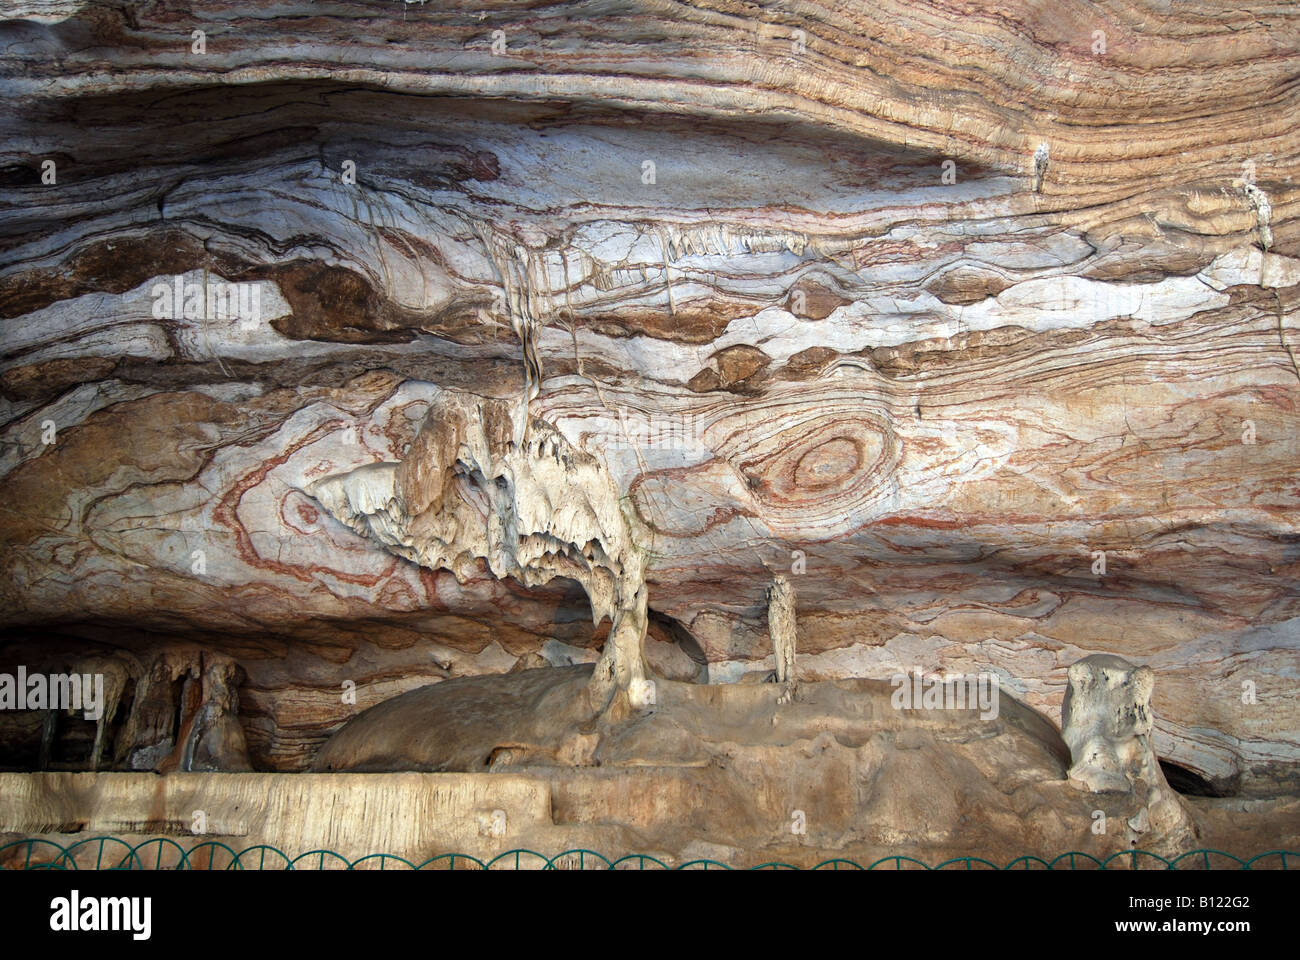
504,392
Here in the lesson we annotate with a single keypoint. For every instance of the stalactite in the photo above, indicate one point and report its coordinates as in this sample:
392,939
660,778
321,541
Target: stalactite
536,511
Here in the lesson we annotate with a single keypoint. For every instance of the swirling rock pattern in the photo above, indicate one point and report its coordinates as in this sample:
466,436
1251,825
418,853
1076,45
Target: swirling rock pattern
978,322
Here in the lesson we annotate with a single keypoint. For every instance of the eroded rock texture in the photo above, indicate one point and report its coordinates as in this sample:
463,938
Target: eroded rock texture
978,322
1106,723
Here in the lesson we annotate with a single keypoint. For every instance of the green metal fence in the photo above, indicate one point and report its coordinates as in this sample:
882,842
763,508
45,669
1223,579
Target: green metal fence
162,853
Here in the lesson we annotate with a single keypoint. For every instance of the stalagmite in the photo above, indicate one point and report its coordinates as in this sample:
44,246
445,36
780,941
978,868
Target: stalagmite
781,625
1106,723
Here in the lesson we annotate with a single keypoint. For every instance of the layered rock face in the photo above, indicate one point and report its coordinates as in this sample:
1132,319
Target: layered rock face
976,324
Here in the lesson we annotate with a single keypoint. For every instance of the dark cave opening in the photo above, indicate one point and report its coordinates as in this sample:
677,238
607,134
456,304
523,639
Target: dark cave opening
1189,783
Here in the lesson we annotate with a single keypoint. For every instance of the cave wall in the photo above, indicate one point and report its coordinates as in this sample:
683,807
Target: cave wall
923,305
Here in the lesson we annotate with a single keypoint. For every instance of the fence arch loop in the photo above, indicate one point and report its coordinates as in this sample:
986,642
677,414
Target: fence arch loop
164,853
